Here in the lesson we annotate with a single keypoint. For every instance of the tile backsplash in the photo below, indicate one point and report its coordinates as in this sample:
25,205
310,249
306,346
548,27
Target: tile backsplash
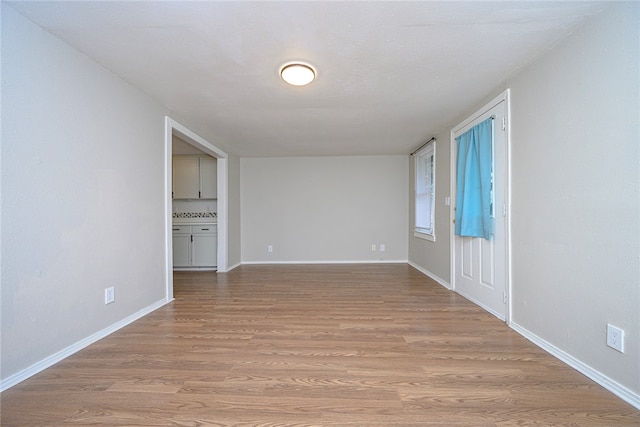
188,209
195,214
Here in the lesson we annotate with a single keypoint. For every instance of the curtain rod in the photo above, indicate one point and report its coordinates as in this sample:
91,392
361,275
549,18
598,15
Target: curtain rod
434,139
419,148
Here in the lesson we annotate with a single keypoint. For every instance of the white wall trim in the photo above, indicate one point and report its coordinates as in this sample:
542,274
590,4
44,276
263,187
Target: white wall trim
236,265
399,261
427,273
74,348
424,236
613,386
168,206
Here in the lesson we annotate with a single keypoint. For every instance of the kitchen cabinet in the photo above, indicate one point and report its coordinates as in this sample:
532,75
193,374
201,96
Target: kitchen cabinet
208,178
181,246
185,177
194,177
205,245
195,246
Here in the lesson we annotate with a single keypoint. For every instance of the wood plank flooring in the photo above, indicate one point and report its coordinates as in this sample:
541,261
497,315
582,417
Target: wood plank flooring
339,345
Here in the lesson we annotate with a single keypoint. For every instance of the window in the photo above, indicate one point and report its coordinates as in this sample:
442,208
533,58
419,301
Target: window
425,188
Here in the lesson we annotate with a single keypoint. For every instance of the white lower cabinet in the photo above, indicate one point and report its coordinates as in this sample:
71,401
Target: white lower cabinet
204,250
181,250
195,246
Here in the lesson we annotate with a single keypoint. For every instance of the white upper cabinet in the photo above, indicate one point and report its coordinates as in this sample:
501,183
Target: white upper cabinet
208,178
194,177
185,178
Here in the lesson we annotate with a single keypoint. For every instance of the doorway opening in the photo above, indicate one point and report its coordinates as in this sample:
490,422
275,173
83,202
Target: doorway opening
174,128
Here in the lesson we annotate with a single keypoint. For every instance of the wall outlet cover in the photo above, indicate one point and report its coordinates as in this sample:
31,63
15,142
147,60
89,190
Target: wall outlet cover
615,338
109,295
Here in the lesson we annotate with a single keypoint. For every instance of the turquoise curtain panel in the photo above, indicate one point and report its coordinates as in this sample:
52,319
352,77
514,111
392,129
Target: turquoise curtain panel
474,198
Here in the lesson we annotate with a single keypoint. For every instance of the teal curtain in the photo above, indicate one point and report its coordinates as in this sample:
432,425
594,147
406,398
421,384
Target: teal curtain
474,196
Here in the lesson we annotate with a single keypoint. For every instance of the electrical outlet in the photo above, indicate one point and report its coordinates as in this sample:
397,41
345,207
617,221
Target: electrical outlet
109,295
615,338
382,247
270,248
373,248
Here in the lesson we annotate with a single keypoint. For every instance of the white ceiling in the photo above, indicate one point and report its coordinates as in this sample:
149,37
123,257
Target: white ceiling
390,74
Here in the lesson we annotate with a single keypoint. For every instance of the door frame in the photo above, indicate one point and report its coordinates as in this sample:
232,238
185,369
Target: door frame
173,127
506,98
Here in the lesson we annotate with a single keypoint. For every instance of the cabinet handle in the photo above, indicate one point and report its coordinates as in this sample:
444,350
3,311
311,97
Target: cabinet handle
199,196
205,229
192,237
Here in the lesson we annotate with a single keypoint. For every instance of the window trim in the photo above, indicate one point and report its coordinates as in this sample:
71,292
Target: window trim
419,232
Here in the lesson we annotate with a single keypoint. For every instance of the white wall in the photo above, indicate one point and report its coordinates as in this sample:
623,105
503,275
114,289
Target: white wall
82,196
575,210
324,209
576,202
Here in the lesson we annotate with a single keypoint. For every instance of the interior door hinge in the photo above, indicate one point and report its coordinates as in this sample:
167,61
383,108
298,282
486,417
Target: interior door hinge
504,123
504,209
504,297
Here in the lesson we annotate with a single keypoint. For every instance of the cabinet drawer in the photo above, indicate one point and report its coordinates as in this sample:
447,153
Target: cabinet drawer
181,229
204,229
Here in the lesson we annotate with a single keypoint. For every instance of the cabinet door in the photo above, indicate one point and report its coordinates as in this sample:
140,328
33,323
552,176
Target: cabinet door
208,178
205,250
181,250
185,178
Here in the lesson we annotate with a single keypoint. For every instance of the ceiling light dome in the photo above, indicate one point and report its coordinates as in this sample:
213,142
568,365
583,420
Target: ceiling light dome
298,73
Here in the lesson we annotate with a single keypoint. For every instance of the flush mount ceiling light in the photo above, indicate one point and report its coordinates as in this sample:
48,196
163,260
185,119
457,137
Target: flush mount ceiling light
297,73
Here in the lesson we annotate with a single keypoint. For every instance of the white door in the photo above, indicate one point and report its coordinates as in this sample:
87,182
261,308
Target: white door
481,266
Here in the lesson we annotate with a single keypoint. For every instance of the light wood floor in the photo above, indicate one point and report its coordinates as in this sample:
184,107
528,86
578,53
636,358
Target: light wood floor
349,345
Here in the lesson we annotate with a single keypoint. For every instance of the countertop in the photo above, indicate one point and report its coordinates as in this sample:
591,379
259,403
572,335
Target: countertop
194,221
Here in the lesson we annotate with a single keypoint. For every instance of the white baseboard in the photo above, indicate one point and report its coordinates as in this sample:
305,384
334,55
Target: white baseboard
74,348
236,265
384,261
430,274
614,387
